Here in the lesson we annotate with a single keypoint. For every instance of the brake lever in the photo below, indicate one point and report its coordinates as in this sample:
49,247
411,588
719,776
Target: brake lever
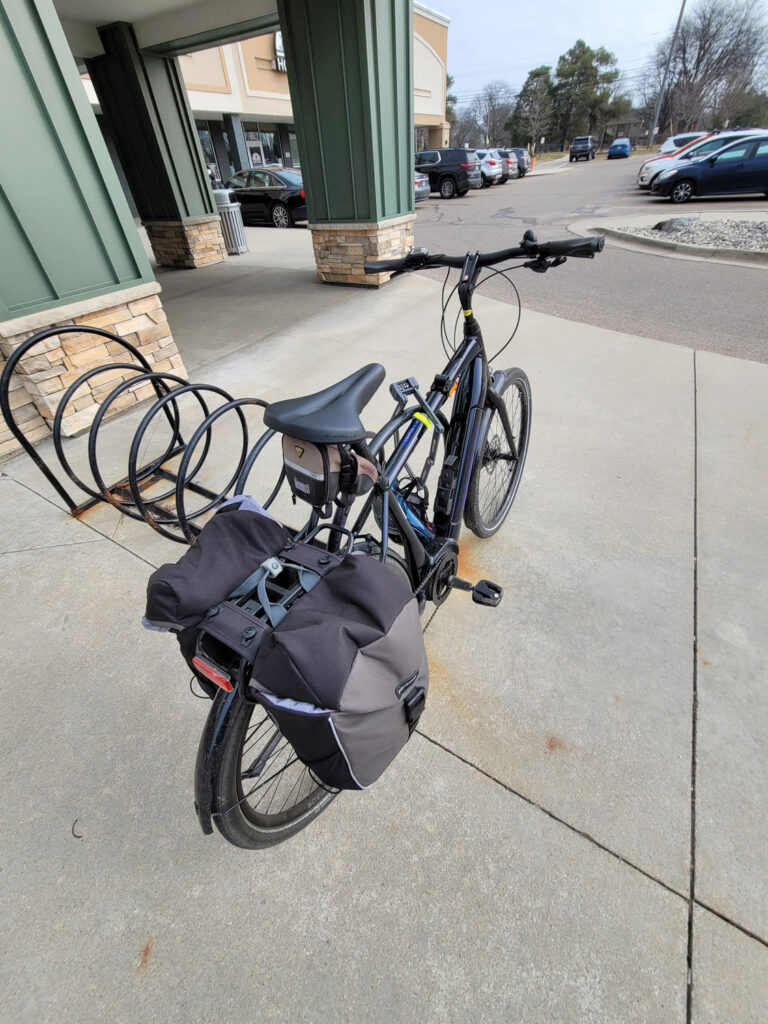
541,264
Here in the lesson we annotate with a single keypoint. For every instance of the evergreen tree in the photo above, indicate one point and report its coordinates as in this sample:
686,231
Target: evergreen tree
532,117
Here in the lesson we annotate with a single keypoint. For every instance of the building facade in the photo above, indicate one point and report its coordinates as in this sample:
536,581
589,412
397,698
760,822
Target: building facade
241,102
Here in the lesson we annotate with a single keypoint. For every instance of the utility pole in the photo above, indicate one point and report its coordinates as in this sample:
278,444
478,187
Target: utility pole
664,80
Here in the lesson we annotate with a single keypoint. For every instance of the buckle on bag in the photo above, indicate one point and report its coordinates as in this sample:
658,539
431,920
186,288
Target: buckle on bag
414,704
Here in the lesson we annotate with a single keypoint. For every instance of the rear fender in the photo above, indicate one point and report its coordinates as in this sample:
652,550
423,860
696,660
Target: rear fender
209,754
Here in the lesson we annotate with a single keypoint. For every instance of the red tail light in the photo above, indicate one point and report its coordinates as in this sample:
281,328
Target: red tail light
302,194
468,165
492,163
212,673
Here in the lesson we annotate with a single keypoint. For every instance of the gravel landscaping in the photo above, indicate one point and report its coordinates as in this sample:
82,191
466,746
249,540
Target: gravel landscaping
720,234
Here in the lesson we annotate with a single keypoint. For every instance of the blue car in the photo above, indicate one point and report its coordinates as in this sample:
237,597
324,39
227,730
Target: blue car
738,168
619,147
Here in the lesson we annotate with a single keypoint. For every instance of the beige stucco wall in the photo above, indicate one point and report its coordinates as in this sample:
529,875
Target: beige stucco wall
242,77
434,31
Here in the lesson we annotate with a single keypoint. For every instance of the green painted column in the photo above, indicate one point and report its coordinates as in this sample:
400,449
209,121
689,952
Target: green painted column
142,96
67,233
350,72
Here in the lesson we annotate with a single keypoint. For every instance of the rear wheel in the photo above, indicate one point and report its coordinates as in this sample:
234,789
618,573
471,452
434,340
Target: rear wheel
500,457
262,793
281,216
448,188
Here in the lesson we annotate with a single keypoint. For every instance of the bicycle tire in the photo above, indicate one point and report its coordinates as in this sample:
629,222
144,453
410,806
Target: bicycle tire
492,487
303,798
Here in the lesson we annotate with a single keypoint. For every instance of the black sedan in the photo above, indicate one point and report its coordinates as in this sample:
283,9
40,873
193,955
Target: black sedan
268,196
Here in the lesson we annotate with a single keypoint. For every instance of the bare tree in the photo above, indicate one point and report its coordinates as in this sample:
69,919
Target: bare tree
492,109
464,129
718,61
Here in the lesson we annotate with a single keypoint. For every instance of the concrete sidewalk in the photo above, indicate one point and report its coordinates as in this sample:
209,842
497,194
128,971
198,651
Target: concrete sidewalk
529,856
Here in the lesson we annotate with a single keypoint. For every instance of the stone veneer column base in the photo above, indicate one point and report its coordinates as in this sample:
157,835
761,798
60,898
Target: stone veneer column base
42,376
341,249
194,242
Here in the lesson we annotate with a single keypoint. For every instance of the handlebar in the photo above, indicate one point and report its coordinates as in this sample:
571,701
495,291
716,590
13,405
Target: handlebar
419,259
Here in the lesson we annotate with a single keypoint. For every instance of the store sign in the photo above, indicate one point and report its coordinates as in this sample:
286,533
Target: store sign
280,64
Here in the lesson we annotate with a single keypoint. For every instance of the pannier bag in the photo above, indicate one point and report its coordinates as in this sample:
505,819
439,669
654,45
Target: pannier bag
329,644
318,472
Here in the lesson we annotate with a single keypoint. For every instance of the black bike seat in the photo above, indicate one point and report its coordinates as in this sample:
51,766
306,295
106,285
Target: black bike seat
329,416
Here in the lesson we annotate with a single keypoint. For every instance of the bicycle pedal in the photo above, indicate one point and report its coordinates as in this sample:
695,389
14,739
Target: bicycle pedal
487,593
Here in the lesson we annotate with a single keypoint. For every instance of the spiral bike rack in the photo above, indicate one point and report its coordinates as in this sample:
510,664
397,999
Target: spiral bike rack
168,512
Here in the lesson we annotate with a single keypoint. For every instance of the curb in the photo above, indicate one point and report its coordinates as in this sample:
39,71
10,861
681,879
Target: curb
753,257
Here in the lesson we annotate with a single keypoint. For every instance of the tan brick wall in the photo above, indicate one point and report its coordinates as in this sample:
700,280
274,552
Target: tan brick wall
188,243
44,374
341,249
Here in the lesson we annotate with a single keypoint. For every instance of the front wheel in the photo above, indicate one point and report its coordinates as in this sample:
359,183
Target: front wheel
281,216
500,456
682,192
262,793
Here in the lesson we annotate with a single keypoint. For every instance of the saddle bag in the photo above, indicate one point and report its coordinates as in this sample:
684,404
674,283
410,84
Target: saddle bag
329,644
317,473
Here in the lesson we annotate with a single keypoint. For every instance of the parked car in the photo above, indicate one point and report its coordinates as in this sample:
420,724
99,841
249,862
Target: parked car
269,196
421,187
491,168
675,142
452,171
508,159
651,169
583,147
619,148
524,161
737,168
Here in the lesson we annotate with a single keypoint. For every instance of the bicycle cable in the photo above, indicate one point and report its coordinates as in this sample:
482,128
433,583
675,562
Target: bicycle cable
450,345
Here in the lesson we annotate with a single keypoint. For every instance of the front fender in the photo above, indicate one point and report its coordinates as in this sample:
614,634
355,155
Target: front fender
209,754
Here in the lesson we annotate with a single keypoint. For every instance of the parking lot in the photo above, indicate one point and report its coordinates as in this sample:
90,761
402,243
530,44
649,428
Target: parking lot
638,292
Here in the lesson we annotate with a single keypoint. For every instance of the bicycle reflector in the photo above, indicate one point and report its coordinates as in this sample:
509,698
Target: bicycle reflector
221,679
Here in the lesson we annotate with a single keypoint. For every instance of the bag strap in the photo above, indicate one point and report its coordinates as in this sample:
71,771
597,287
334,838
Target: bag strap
258,581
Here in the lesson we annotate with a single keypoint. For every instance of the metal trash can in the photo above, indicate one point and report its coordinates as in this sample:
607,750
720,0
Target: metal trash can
231,221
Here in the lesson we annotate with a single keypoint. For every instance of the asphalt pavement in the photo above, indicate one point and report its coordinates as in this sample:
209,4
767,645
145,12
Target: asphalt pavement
577,831
711,307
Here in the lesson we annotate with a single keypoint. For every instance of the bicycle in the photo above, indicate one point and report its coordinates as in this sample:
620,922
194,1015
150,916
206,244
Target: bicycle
248,780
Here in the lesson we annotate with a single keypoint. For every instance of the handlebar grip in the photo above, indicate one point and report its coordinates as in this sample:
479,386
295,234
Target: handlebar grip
586,247
383,266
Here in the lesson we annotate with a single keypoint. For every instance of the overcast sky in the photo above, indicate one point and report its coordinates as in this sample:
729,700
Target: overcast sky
490,39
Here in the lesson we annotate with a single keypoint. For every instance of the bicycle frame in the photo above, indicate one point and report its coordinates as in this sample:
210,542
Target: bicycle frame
466,375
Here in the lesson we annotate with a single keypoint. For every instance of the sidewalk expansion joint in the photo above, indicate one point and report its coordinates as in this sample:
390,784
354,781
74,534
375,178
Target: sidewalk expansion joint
50,547
560,821
99,534
694,696
734,924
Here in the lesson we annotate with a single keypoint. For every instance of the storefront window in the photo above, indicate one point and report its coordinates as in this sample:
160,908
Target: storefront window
263,146
268,149
294,147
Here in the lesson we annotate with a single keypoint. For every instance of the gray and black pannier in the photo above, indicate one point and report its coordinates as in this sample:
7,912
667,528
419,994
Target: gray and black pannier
330,644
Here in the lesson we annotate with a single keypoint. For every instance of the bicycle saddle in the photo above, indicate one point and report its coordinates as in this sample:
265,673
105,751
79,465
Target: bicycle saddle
330,416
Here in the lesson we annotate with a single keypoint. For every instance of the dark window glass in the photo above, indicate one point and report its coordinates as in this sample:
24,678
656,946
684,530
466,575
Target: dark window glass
238,180
737,153
292,180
